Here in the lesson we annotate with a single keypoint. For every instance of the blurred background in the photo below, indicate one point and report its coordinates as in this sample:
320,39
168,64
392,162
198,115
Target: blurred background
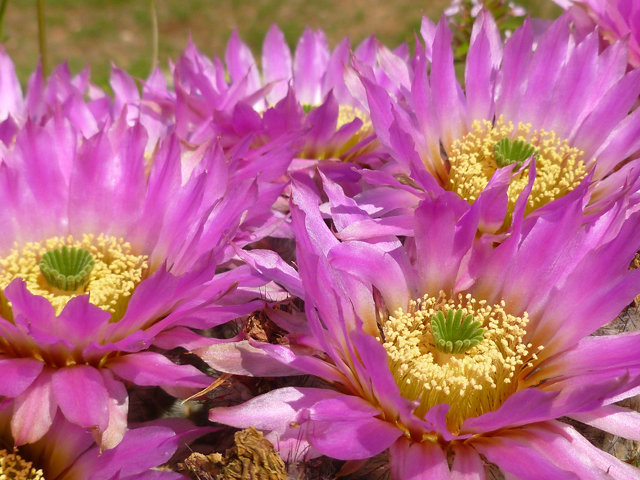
97,32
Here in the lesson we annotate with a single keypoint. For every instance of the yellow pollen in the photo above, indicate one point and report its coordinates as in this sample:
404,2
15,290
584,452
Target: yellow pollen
472,383
115,275
559,167
348,114
14,467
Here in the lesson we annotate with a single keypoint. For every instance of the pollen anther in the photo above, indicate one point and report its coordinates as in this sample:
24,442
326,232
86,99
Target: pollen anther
115,274
474,380
14,467
475,157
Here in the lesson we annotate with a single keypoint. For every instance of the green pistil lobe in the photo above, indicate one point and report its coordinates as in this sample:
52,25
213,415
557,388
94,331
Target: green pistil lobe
66,269
307,108
453,335
507,152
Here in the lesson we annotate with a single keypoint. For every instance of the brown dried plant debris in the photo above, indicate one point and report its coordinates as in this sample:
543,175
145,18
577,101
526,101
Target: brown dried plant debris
252,458
259,327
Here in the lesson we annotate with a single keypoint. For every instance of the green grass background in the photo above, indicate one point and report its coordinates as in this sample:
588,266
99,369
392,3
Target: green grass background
97,32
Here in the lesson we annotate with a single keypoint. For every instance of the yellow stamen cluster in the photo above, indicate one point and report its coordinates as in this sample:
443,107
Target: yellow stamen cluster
559,167
348,114
114,277
472,383
14,467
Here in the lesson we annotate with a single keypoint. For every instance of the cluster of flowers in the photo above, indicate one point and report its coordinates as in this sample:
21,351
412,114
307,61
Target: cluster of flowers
438,255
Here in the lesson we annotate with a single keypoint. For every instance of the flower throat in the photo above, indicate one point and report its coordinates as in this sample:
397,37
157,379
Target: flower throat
61,268
462,352
475,157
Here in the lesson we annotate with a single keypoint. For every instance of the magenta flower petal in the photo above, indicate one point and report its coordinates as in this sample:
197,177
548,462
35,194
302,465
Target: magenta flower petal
81,320
34,410
276,64
240,358
545,67
622,143
270,264
395,67
268,411
596,353
521,460
159,439
182,337
310,63
377,267
81,394
517,55
118,410
10,91
467,464
522,407
480,67
333,80
149,368
301,363
611,110
18,374
124,87
443,80
355,439
619,421
417,461
99,158
241,63
615,468
343,408
440,246
67,451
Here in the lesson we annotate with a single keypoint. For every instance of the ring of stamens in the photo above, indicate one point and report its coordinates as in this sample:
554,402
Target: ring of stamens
347,114
559,167
473,382
115,274
14,467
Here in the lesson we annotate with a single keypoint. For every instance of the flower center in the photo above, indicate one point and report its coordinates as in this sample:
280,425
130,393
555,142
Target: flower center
61,268
14,467
462,352
476,156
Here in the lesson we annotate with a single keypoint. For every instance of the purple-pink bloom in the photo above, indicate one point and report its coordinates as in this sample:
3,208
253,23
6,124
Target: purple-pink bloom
87,107
614,19
308,92
68,452
567,104
402,382
152,232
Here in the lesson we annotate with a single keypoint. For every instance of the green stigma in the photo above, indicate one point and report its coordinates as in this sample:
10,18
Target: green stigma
307,108
66,268
506,152
452,335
